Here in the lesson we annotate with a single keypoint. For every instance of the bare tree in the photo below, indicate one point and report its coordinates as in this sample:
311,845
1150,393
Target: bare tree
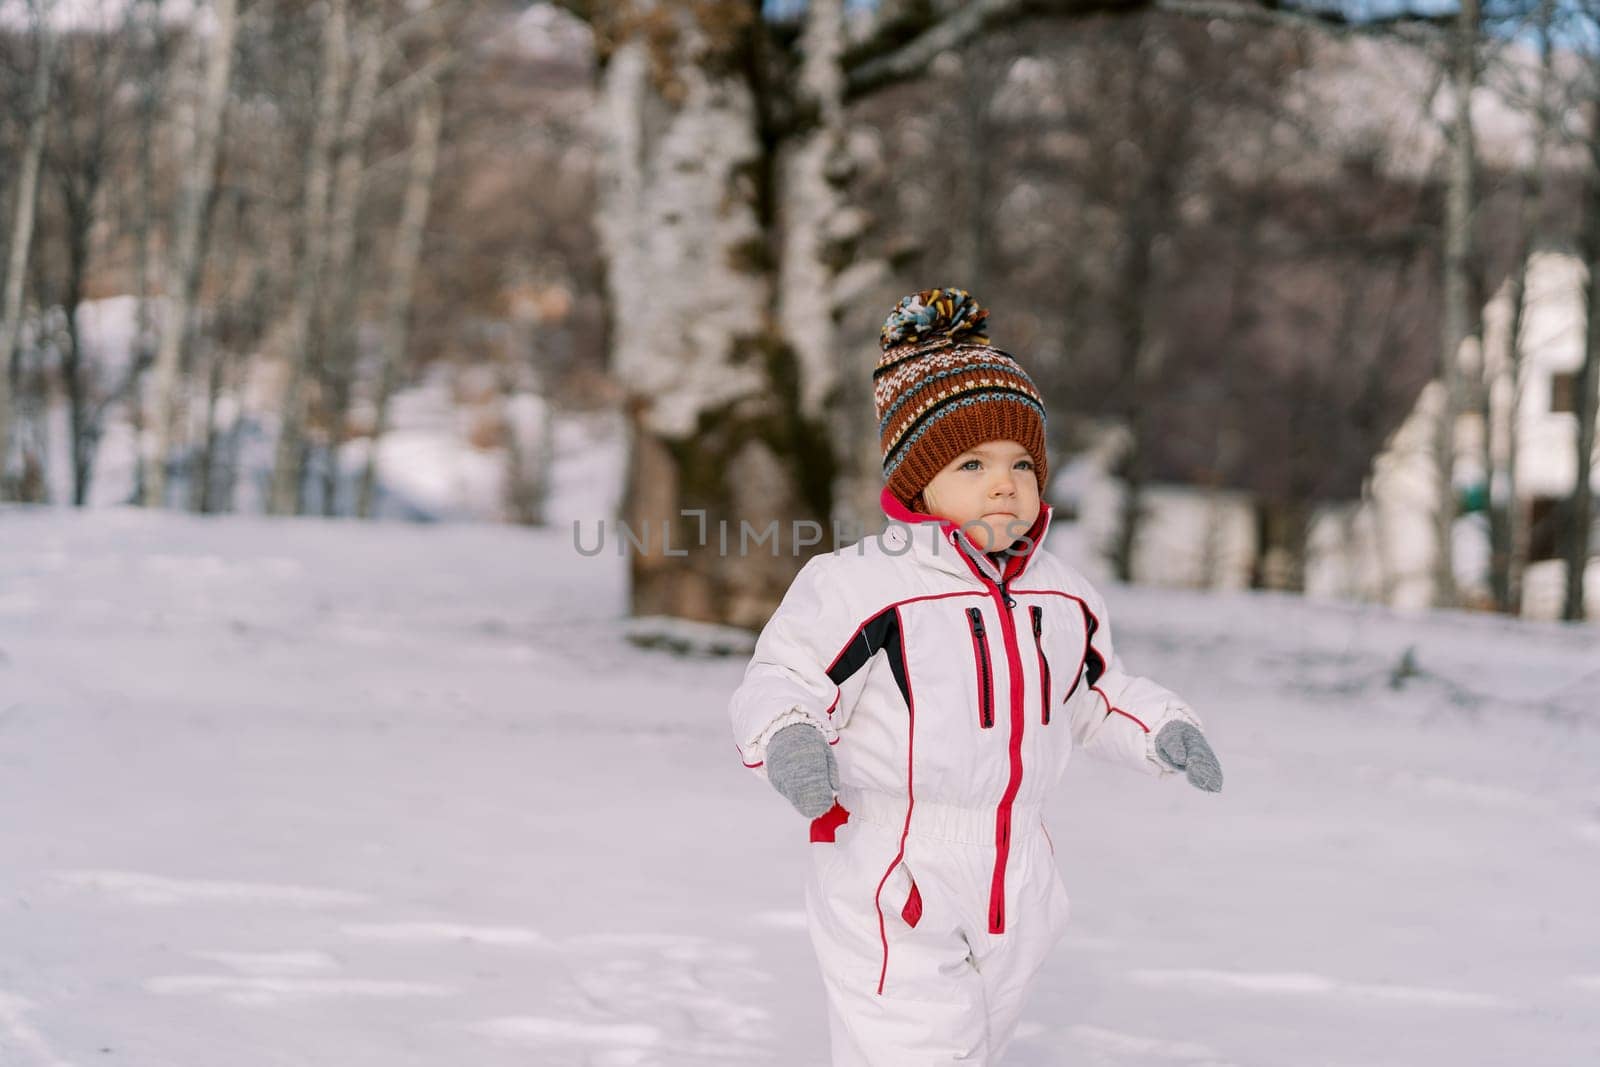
1459,288
427,126
1165,124
1580,506
333,342
23,215
145,26
289,463
1503,391
84,151
219,347
184,258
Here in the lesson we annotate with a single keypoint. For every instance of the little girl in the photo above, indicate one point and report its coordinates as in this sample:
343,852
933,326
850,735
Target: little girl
918,696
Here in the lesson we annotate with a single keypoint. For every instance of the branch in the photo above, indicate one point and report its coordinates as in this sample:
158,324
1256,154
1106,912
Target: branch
875,64
879,62
1327,19
433,20
408,88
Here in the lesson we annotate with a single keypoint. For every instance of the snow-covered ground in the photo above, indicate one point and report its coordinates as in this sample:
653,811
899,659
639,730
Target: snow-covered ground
309,792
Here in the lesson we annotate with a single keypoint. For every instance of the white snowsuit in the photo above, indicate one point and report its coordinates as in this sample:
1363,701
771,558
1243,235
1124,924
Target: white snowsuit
933,895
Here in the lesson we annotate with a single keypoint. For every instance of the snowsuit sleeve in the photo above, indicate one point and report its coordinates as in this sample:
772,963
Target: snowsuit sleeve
1124,712
787,680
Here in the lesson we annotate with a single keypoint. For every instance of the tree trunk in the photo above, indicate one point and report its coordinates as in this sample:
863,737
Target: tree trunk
336,338
1147,219
1457,314
817,233
253,318
978,84
220,357
202,490
721,301
1229,443
1580,506
289,460
184,261
528,455
79,219
27,195
427,126
151,81
80,155
1502,395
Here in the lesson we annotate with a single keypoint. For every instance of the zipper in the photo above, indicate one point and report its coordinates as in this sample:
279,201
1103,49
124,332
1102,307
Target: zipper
980,655
1044,664
1002,818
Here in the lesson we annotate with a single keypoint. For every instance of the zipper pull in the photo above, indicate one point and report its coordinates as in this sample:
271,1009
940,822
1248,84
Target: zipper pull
977,621
1038,618
1007,594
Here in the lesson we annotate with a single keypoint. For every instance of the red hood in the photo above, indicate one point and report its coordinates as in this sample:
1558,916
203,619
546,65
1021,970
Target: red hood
1015,565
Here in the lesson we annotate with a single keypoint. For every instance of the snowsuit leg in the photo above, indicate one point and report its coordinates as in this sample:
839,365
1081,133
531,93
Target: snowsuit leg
898,917
1039,916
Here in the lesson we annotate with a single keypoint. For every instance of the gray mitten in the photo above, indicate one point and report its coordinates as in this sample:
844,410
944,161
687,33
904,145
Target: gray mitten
800,765
1185,747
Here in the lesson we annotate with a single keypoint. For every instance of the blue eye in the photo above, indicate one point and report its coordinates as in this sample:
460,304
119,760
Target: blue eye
969,465
1028,463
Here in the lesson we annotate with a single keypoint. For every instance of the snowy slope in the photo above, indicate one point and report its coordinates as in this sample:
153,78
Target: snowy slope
304,792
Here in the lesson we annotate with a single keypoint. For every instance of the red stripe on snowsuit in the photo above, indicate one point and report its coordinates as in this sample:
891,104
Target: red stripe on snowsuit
911,800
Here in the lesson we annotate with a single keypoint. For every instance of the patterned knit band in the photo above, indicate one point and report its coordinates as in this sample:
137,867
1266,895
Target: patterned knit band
940,388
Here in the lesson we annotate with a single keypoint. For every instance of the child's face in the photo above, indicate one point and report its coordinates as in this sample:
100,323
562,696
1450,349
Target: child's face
993,487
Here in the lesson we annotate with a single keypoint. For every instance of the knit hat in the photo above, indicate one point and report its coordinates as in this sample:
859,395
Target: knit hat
940,389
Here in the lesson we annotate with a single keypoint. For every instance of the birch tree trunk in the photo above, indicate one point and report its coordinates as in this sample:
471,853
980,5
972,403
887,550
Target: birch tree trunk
1458,288
144,19
336,337
1503,395
22,235
703,227
289,460
426,129
817,232
184,261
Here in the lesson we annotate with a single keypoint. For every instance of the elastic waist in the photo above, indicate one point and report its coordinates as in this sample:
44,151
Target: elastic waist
948,822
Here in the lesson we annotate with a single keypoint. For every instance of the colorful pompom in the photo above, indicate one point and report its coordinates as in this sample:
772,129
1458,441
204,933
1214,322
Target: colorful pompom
931,313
